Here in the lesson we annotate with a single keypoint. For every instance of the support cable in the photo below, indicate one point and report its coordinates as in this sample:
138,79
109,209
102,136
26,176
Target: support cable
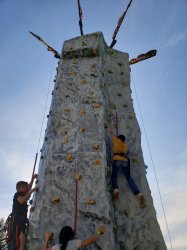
149,148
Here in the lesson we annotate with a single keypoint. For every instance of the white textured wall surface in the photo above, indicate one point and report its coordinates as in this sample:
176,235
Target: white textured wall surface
92,83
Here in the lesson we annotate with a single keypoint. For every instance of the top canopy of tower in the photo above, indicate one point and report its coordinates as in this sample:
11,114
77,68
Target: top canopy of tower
90,45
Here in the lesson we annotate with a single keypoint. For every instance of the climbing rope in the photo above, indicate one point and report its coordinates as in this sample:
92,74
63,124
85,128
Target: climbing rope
43,118
80,17
149,148
114,41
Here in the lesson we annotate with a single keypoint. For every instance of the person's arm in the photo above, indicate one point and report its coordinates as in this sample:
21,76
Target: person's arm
48,237
93,238
35,176
25,198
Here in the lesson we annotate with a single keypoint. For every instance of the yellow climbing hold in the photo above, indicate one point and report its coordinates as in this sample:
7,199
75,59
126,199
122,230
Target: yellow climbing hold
90,202
78,177
82,130
96,105
82,112
55,200
63,131
69,157
65,140
73,73
67,110
96,146
94,52
97,162
83,81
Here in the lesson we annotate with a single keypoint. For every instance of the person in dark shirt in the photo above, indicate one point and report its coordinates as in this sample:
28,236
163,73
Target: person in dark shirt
19,213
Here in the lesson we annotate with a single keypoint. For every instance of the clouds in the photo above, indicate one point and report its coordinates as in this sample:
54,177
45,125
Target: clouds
173,40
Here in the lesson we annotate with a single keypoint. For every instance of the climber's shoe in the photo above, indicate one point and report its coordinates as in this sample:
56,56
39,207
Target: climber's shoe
116,194
141,200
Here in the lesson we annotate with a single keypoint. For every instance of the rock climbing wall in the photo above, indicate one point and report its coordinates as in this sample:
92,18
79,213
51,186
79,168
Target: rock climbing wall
91,85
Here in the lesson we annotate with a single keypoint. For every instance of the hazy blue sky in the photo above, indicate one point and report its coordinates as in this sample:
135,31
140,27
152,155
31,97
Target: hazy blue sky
26,66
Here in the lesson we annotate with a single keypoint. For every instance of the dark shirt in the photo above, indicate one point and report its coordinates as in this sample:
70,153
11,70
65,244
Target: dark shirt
18,208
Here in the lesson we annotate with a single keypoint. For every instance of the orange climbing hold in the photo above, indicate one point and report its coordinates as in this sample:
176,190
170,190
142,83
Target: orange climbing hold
82,130
97,162
78,177
82,112
67,110
90,202
55,200
96,146
69,157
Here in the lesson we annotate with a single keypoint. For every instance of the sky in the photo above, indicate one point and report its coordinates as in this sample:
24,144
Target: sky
27,71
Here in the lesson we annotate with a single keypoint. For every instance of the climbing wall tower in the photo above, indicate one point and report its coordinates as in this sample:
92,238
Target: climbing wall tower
92,83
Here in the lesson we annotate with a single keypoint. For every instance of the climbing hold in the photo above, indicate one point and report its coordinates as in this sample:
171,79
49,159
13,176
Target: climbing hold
54,80
125,106
63,131
78,177
65,141
73,73
122,73
126,212
46,138
110,71
70,49
96,146
94,52
96,105
90,202
52,92
82,112
119,94
69,157
120,64
55,200
82,130
83,43
90,93
82,81
94,75
66,110
74,61
47,116
70,83
41,157
105,125
97,162
134,160
32,209
94,66
130,117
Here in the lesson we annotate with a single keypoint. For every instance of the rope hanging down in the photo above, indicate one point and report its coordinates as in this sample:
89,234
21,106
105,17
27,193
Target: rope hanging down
80,17
114,41
149,148
44,112
49,48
